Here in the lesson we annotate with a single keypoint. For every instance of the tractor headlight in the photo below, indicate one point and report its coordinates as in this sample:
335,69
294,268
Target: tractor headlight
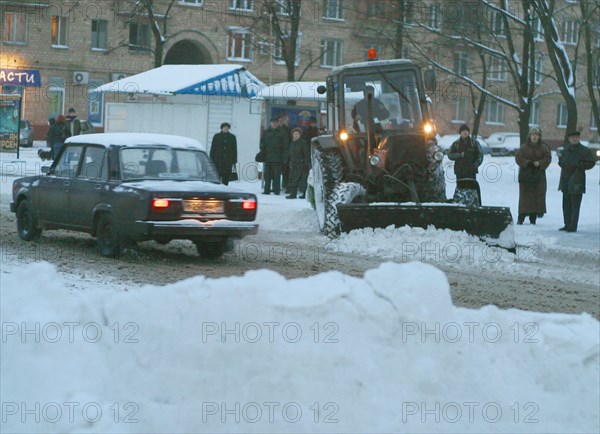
439,156
374,160
598,153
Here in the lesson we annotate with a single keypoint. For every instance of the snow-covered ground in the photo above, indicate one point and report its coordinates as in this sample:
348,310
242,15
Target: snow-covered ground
387,352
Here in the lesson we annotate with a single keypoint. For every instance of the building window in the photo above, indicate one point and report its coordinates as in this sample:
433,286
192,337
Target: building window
56,96
537,29
538,66
241,5
15,27
561,118
497,23
192,2
239,44
59,31
435,16
331,53
570,32
460,109
278,57
534,114
461,63
333,9
285,7
376,8
139,37
593,125
377,48
99,34
497,69
495,113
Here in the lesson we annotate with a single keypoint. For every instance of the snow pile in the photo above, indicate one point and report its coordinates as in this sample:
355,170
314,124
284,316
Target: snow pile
330,353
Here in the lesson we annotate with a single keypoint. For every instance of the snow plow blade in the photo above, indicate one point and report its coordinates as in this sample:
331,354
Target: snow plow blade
493,225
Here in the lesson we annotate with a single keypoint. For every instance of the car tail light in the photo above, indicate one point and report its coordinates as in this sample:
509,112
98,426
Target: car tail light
248,205
160,203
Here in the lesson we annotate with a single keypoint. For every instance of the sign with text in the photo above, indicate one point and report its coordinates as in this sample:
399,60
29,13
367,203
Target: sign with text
10,113
20,77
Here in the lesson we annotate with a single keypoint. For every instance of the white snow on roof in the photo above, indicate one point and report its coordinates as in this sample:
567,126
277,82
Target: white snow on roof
172,79
293,90
107,139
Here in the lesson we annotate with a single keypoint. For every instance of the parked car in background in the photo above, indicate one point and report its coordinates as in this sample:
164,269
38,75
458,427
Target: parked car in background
26,134
504,144
128,187
444,142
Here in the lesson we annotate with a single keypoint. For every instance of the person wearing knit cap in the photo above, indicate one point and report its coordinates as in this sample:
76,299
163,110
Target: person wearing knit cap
466,153
533,158
223,152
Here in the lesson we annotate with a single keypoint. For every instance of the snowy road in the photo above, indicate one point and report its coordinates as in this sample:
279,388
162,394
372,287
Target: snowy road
551,272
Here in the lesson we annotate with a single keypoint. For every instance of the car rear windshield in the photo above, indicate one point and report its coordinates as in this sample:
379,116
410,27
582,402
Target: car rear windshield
152,162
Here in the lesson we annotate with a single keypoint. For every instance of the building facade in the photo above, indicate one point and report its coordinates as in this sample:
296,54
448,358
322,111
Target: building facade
78,45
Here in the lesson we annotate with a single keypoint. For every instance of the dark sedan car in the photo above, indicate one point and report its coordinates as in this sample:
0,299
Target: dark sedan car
129,187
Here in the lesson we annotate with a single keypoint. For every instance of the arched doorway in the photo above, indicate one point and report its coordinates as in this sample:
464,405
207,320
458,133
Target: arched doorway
188,52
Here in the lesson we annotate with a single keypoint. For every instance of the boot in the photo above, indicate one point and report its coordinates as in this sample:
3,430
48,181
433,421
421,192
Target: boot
521,219
532,218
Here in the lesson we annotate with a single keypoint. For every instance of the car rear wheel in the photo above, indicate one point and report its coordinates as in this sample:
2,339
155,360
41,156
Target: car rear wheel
211,249
27,224
107,238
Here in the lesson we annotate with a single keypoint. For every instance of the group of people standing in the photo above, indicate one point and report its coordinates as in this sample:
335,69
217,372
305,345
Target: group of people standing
60,129
533,158
286,156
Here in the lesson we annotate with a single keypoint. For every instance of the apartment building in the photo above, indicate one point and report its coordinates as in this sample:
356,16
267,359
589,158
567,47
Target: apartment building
74,46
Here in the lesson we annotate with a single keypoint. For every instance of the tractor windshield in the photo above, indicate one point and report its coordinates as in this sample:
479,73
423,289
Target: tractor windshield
394,96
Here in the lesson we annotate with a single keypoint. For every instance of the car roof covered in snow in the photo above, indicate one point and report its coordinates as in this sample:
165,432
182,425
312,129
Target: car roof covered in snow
131,139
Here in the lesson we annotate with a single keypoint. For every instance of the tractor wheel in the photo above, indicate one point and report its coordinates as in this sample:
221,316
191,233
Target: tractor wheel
27,224
467,197
327,174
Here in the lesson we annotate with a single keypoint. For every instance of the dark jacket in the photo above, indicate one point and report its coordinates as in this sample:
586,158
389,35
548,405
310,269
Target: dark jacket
575,160
49,134
299,154
467,156
274,146
223,151
59,133
361,108
532,179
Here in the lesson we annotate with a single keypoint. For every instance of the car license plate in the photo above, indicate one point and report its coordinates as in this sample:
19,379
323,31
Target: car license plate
204,206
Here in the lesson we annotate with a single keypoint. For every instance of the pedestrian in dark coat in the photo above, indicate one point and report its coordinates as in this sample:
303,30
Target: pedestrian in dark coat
533,158
286,136
73,124
299,162
574,161
274,148
60,133
223,152
467,155
49,138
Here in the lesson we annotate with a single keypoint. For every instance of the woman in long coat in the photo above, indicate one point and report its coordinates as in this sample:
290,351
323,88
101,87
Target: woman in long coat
223,152
533,158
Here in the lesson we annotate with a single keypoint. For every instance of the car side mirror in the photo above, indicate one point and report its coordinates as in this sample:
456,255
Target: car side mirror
45,169
321,90
429,79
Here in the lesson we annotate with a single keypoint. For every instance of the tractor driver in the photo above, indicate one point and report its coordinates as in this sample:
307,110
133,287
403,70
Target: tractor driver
360,111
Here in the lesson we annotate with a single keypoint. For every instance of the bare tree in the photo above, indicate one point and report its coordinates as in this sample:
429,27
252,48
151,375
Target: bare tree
149,9
590,12
559,57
